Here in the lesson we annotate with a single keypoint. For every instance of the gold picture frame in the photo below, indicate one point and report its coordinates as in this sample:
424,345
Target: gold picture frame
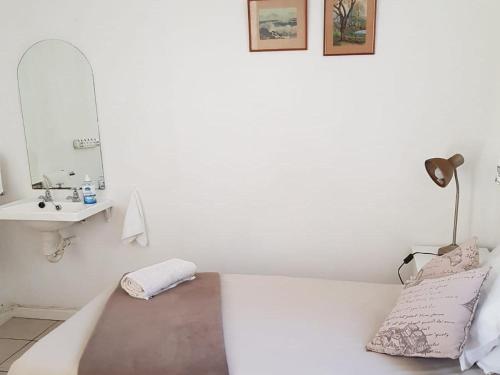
349,27
277,25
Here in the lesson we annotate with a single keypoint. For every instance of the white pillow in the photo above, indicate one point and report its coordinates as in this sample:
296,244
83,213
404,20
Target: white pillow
484,334
491,364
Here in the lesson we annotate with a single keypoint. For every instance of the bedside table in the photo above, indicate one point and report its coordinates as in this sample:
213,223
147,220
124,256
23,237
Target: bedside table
420,260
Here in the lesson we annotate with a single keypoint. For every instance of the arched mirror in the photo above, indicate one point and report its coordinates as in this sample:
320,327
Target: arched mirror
56,88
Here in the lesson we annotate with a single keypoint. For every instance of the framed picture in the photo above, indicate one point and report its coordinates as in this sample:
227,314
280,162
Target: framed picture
277,25
349,27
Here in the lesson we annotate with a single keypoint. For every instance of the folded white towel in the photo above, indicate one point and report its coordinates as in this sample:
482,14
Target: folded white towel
150,281
134,226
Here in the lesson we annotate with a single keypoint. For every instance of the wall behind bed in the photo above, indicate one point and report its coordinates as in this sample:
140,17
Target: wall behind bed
274,163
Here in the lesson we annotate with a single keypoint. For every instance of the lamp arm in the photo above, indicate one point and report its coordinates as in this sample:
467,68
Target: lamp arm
457,199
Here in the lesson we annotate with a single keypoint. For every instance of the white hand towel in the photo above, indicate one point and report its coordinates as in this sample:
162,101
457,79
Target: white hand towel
134,226
150,281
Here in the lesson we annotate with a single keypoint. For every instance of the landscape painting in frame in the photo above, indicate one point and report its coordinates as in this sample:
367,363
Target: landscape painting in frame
349,27
277,25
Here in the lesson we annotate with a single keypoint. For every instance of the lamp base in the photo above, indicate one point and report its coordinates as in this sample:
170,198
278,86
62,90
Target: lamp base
446,249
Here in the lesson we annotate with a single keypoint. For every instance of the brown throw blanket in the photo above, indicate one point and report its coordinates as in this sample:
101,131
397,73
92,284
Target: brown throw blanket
178,332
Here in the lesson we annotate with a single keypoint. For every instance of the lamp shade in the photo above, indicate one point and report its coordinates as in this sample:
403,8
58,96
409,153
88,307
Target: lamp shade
441,170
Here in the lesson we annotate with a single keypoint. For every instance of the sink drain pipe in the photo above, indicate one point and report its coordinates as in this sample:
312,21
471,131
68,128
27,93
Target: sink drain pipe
54,245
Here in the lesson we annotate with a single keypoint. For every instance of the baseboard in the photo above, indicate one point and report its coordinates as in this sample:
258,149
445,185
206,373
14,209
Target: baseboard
52,313
33,312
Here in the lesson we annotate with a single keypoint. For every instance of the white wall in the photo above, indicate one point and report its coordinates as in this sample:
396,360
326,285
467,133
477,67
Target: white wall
284,163
486,212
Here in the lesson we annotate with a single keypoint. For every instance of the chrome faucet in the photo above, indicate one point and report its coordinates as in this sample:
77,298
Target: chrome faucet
48,195
75,197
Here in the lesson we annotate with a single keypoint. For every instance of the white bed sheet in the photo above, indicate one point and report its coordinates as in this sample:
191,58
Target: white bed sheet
273,325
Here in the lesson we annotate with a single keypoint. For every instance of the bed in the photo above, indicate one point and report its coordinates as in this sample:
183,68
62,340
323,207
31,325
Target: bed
273,325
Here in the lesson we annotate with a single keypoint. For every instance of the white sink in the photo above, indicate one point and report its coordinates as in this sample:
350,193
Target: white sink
49,220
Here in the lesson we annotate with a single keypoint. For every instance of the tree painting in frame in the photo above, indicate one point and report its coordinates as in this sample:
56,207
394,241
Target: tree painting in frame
349,27
277,25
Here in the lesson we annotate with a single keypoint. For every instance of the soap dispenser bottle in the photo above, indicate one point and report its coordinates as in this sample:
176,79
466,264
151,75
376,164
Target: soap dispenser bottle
88,189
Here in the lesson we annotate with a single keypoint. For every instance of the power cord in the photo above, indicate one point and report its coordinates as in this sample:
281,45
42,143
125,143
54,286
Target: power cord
408,259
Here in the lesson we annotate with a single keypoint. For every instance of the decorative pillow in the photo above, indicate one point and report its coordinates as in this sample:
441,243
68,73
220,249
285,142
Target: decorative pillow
485,330
431,319
463,258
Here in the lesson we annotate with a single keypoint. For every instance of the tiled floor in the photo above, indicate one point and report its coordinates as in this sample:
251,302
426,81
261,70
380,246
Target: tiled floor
17,335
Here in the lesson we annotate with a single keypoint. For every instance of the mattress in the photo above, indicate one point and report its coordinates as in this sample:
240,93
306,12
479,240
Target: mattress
273,325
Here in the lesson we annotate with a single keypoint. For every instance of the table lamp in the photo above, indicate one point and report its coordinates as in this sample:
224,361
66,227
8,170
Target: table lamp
441,171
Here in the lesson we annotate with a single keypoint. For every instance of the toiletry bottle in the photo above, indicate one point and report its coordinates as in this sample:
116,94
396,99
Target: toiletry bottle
88,189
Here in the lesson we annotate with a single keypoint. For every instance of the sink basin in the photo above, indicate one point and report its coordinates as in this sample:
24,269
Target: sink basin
50,219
